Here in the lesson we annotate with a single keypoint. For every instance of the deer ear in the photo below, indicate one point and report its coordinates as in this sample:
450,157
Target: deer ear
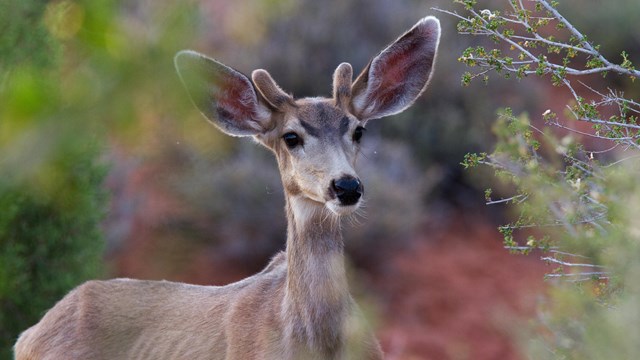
395,78
223,95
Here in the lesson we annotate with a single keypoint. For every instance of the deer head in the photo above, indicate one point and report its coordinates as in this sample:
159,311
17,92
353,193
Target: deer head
316,140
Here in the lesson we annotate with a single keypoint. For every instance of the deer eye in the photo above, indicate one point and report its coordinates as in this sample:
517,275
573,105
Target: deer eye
292,139
357,134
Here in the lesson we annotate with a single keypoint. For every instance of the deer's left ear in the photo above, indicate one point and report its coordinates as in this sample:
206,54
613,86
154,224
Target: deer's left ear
395,78
225,96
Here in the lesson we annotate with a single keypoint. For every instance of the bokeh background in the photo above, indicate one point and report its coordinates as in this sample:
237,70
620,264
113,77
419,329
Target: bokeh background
107,170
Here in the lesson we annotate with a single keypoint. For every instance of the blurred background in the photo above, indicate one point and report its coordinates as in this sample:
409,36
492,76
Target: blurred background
108,170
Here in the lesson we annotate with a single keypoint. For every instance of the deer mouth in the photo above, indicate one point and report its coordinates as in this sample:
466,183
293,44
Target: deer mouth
337,207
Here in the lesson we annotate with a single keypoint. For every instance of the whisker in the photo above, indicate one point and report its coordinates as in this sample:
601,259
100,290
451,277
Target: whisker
359,216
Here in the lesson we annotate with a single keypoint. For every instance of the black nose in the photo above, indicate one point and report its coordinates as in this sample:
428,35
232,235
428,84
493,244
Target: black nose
348,190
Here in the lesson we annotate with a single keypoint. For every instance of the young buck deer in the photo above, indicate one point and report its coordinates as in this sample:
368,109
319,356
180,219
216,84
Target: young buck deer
299,306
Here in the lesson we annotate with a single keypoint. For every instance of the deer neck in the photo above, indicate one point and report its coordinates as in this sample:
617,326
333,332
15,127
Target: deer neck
317,295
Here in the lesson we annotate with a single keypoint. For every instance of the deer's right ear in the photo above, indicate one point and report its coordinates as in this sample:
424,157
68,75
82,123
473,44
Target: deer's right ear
225,96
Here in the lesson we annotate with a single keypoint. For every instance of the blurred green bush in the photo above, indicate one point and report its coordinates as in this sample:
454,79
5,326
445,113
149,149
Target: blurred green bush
51,192
73,76
48,245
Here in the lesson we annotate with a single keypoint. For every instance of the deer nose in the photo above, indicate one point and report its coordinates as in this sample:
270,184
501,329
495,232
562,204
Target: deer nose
348,190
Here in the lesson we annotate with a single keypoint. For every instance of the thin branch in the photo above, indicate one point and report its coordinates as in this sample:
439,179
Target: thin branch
636,156
568,254
611,123
564,263
590,279
539,38
555,123
592,273
522,197
615,145
578,35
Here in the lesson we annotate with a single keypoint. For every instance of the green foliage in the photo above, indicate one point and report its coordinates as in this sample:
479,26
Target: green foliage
575,205
48,244
525,32
51,192
596,318
25,38
66,81
473,159
73,73
581,213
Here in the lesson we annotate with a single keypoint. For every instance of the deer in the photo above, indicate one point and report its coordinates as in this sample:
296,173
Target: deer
299,306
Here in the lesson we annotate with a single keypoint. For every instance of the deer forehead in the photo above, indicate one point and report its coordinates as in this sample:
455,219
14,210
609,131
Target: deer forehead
319,118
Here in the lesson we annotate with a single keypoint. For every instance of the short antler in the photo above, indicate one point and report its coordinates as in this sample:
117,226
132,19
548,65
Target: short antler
342,78
269,90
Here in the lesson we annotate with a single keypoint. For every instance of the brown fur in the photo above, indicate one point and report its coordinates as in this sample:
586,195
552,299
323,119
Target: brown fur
299,306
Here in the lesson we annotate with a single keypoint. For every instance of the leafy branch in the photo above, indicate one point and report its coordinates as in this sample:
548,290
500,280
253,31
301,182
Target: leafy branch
524,47
559,184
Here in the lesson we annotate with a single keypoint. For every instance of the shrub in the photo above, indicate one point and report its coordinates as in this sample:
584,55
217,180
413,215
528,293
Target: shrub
571,178
48,244
51,195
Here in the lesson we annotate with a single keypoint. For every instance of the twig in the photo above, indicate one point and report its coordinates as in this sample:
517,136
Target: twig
593,273
564,263
522,197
